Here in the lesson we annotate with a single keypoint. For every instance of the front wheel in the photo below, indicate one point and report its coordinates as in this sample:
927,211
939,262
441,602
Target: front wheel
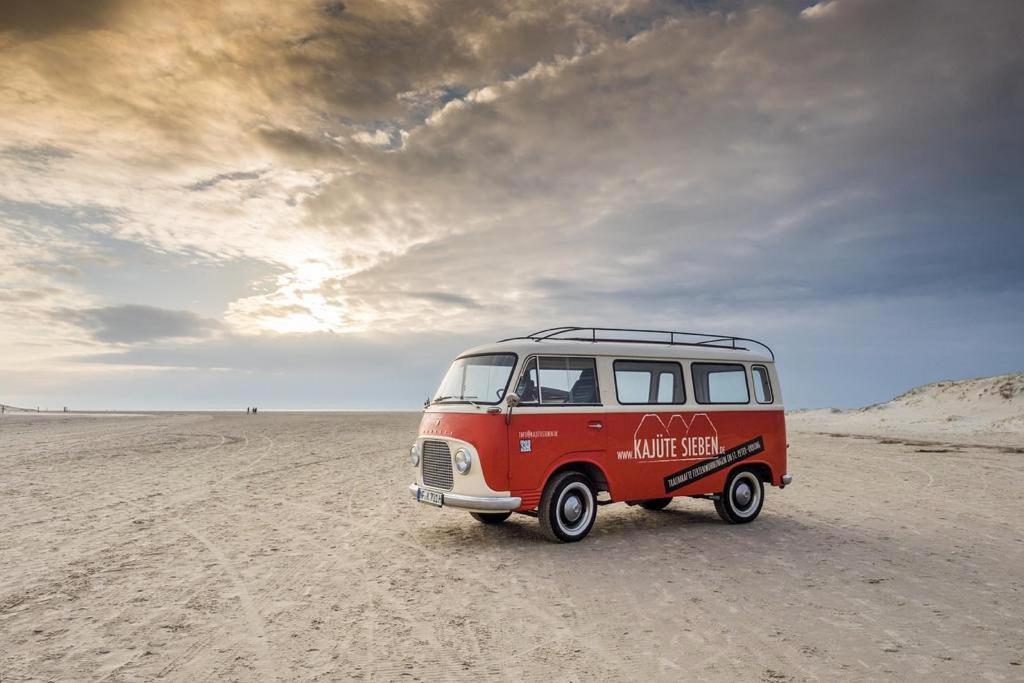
490,517
742,498
568,507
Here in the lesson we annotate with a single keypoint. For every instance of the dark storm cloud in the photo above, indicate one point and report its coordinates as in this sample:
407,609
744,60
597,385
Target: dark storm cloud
355,62
333,9
298,146
134,323
41,17
785,136
35,156
359,62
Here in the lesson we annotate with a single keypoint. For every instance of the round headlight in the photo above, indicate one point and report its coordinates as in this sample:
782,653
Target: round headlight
463,460
414,455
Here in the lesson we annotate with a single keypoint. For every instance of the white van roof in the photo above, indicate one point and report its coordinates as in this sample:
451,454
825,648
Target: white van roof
629,343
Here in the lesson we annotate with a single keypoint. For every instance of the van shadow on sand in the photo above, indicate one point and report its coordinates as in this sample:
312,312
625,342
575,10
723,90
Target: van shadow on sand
625,527
636,537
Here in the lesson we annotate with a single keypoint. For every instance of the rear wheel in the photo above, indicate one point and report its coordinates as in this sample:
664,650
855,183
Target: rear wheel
655,503
490,517
742,498
567,507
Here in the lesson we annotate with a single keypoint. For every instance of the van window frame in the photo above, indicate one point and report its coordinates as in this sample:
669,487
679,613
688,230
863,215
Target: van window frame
746,381
767,384
539,403
682,381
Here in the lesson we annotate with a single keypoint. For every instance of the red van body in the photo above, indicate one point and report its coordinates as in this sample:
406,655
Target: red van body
560,422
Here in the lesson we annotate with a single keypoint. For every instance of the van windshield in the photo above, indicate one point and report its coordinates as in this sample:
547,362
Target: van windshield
476,379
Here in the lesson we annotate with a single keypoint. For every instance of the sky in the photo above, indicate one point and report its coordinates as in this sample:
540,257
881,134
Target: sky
318,204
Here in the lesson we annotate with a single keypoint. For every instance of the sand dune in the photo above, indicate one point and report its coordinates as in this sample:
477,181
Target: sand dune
988,410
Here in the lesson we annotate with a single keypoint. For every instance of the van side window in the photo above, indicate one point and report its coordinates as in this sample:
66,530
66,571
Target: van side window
720,383
762,385
641,382
568,380
528,385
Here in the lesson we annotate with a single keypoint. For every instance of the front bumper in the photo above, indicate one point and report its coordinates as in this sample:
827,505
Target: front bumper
476,503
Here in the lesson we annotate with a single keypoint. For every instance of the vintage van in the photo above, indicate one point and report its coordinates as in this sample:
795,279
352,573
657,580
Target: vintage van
561,421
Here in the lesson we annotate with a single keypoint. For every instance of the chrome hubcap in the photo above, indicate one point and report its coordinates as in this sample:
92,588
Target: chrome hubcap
572,508
743,494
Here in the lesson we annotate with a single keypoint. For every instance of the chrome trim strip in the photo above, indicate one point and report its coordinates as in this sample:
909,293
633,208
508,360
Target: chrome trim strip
484,503
787,479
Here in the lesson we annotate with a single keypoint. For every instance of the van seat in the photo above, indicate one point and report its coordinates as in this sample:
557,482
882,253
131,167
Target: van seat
584,390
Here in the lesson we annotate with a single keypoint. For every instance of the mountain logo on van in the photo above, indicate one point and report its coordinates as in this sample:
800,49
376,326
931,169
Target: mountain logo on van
654,439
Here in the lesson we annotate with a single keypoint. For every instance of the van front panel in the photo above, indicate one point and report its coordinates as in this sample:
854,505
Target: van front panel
485,432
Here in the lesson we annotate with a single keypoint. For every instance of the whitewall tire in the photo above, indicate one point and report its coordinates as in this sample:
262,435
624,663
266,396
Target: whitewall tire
742,498
568,507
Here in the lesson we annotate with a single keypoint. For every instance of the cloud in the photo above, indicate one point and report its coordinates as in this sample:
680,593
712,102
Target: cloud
822,9
35,18
379,137
478,166
36,157
25,295
233,176
295,145
129,323
229,372
448,298
333,9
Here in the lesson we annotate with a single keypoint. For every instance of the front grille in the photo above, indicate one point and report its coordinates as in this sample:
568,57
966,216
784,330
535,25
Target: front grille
437,465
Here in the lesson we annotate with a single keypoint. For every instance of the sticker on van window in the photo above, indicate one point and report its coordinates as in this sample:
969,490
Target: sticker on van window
709,467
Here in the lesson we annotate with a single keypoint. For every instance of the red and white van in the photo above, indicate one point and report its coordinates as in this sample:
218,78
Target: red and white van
561,421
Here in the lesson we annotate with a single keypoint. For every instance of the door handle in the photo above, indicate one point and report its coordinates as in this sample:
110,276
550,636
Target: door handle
595,424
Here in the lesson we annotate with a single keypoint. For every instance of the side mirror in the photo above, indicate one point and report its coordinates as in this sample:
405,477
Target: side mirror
511,400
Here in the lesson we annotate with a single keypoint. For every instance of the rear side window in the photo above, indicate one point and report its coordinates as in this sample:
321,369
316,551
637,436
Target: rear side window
559,381
720,383
762,384
648,382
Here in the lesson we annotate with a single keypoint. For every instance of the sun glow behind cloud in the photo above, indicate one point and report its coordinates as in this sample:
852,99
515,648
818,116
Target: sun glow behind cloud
297,304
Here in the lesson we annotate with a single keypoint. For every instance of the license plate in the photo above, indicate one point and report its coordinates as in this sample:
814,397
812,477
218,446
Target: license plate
430,497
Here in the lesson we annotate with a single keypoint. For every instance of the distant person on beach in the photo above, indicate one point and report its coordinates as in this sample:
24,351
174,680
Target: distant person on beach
248,410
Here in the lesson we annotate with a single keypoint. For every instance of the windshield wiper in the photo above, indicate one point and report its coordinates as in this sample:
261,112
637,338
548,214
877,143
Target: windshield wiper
461,398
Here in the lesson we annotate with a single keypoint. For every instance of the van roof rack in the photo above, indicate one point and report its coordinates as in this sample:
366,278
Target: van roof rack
596,335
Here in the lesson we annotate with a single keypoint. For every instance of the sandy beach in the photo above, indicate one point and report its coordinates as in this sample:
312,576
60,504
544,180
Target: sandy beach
286,547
